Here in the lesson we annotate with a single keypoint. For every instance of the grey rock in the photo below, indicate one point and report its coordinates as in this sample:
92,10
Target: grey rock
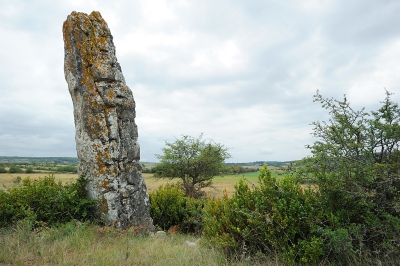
192,244
105,130
160,233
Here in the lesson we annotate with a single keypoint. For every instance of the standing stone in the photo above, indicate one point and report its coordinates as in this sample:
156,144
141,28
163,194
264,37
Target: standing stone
105,130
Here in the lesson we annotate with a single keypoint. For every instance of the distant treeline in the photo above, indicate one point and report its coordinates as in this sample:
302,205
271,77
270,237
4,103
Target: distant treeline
261,163
75,161
38,164
15,164
39,160
230,168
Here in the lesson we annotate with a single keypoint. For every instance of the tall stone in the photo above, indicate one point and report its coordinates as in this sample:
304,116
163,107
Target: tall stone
105,130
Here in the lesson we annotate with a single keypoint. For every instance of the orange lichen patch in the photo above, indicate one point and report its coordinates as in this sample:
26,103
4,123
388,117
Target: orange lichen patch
111,95
108,109
97,146
113,170
101,43
101,157
96,127
67,38
95,122
100,164
95,15
105,184
104,205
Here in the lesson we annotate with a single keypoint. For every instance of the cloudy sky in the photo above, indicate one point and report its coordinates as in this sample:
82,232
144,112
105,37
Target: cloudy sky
241,72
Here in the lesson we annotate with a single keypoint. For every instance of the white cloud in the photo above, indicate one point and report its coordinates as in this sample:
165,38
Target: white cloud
384,73
243,73
157,11
314,6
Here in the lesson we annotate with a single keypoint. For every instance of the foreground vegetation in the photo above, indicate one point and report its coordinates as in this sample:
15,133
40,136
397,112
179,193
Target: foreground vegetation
74,243
340,206
268,224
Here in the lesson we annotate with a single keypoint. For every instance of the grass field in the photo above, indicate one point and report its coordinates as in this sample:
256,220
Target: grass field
84,244
9,179
219,183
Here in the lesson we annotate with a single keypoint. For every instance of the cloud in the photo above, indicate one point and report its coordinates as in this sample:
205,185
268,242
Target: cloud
241,72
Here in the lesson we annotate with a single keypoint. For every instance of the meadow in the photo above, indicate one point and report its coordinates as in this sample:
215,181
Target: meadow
219,182
78,243
83,244
349,216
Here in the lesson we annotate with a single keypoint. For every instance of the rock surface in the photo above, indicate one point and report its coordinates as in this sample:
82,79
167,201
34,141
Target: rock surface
104,112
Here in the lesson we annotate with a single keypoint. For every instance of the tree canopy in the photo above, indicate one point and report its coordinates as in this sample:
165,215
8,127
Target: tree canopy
355,167
194,160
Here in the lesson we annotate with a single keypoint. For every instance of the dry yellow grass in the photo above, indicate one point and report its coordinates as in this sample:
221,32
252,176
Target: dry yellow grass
219,184
7,179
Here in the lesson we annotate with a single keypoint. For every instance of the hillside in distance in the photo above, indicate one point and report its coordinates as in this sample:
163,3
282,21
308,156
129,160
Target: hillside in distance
75,161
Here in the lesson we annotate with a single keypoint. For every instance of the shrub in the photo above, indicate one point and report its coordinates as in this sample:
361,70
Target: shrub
169,207
67,168
29,170
17,180
46,201
276,216
15,169
355,164
2,169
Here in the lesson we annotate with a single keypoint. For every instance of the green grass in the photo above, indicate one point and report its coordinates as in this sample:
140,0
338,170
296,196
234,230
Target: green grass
74,244
84,244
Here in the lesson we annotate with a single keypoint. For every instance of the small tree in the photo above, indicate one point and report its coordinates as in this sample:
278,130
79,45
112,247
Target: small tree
193,160
29,170
15,169
355,165
2,169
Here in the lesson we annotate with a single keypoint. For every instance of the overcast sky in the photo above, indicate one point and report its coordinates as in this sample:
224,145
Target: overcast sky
241,72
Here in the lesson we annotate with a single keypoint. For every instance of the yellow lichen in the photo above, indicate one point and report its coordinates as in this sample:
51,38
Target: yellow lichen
104,205
101,166
105,184
111,95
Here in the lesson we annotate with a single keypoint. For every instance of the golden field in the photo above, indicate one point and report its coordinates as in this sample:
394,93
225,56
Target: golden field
219,183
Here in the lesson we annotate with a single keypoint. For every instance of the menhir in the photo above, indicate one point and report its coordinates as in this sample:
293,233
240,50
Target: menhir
106,133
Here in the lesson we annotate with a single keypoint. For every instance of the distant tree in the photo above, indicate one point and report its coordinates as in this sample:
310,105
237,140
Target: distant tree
193,160
29,170
151,170
67,168
15,169
2,169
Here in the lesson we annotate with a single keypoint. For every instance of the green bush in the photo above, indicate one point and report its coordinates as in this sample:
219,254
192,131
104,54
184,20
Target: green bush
46,201
274,217
15,169
351,213
170,207
355,164
2,169
17,180
29,170
67,169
